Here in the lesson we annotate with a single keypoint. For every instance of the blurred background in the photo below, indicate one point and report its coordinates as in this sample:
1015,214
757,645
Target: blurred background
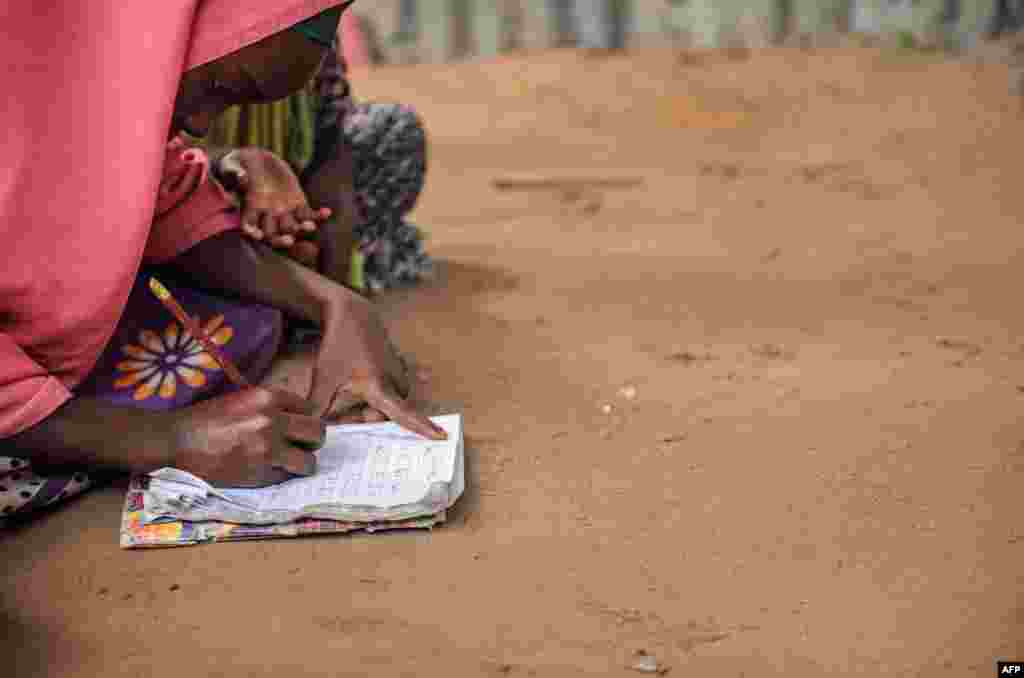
434,31
725,291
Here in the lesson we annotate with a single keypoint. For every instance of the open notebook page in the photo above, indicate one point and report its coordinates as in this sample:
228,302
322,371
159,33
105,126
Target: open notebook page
375,465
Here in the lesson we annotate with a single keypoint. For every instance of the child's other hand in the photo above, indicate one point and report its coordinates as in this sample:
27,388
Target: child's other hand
275,209
282,231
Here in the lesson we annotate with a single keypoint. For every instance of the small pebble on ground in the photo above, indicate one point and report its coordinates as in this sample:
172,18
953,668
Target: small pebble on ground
645,663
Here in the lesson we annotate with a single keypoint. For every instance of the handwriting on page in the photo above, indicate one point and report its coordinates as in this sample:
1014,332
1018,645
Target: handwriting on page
361,469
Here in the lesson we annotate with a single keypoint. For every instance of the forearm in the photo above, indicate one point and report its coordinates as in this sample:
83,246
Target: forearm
231,263
330,182
332,185
90,432
337,239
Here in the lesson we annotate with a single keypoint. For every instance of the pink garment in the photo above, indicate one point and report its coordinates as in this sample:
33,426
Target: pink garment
190,207
88,98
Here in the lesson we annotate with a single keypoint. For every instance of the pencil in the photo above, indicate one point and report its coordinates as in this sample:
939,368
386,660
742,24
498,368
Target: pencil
169,302
164,295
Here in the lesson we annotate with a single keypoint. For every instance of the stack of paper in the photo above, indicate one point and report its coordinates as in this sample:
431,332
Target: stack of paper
369,473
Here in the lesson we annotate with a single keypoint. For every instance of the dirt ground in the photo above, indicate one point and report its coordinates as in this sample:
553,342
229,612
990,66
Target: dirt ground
758,416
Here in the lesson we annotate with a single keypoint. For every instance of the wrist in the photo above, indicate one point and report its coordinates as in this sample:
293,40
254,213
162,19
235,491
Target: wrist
89,432
340,304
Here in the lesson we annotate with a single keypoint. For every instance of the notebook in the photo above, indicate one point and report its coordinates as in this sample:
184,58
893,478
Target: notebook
369,476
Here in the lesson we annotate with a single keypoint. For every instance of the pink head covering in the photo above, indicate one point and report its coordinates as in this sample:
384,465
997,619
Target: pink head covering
87,106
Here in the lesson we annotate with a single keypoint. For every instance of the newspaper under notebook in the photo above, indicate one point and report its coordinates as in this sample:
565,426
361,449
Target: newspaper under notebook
365,473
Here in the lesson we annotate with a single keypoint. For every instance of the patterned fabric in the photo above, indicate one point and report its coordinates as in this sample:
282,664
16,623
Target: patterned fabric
154,363
389,148
23,491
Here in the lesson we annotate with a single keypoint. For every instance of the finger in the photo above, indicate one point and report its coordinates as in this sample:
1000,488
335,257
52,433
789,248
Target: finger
251,218
303,213
283,241
258,407
354,416
249,404
286,401
307,213
252,231
360,415
292,459
307,432
344,404
245,423
331,399
372,416
288,224
268,475
400,412
304,222
268,224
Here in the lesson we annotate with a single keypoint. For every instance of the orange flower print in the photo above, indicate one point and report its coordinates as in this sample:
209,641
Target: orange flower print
157,362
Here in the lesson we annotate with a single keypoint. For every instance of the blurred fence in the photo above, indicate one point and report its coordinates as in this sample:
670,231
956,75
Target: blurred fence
403,31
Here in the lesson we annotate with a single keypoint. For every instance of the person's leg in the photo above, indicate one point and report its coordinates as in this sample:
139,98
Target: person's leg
1017,16
1001,20
593,19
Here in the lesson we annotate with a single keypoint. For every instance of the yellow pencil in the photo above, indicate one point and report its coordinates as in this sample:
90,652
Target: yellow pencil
169,302
164,295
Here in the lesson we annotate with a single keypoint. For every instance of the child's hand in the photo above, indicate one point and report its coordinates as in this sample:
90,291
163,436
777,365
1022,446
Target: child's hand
281,230
275,209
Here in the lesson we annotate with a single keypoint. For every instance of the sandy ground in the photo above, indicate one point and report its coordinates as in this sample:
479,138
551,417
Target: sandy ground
811,301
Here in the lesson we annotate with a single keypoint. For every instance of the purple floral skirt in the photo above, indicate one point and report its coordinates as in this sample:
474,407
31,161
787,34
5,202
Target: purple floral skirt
154,363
